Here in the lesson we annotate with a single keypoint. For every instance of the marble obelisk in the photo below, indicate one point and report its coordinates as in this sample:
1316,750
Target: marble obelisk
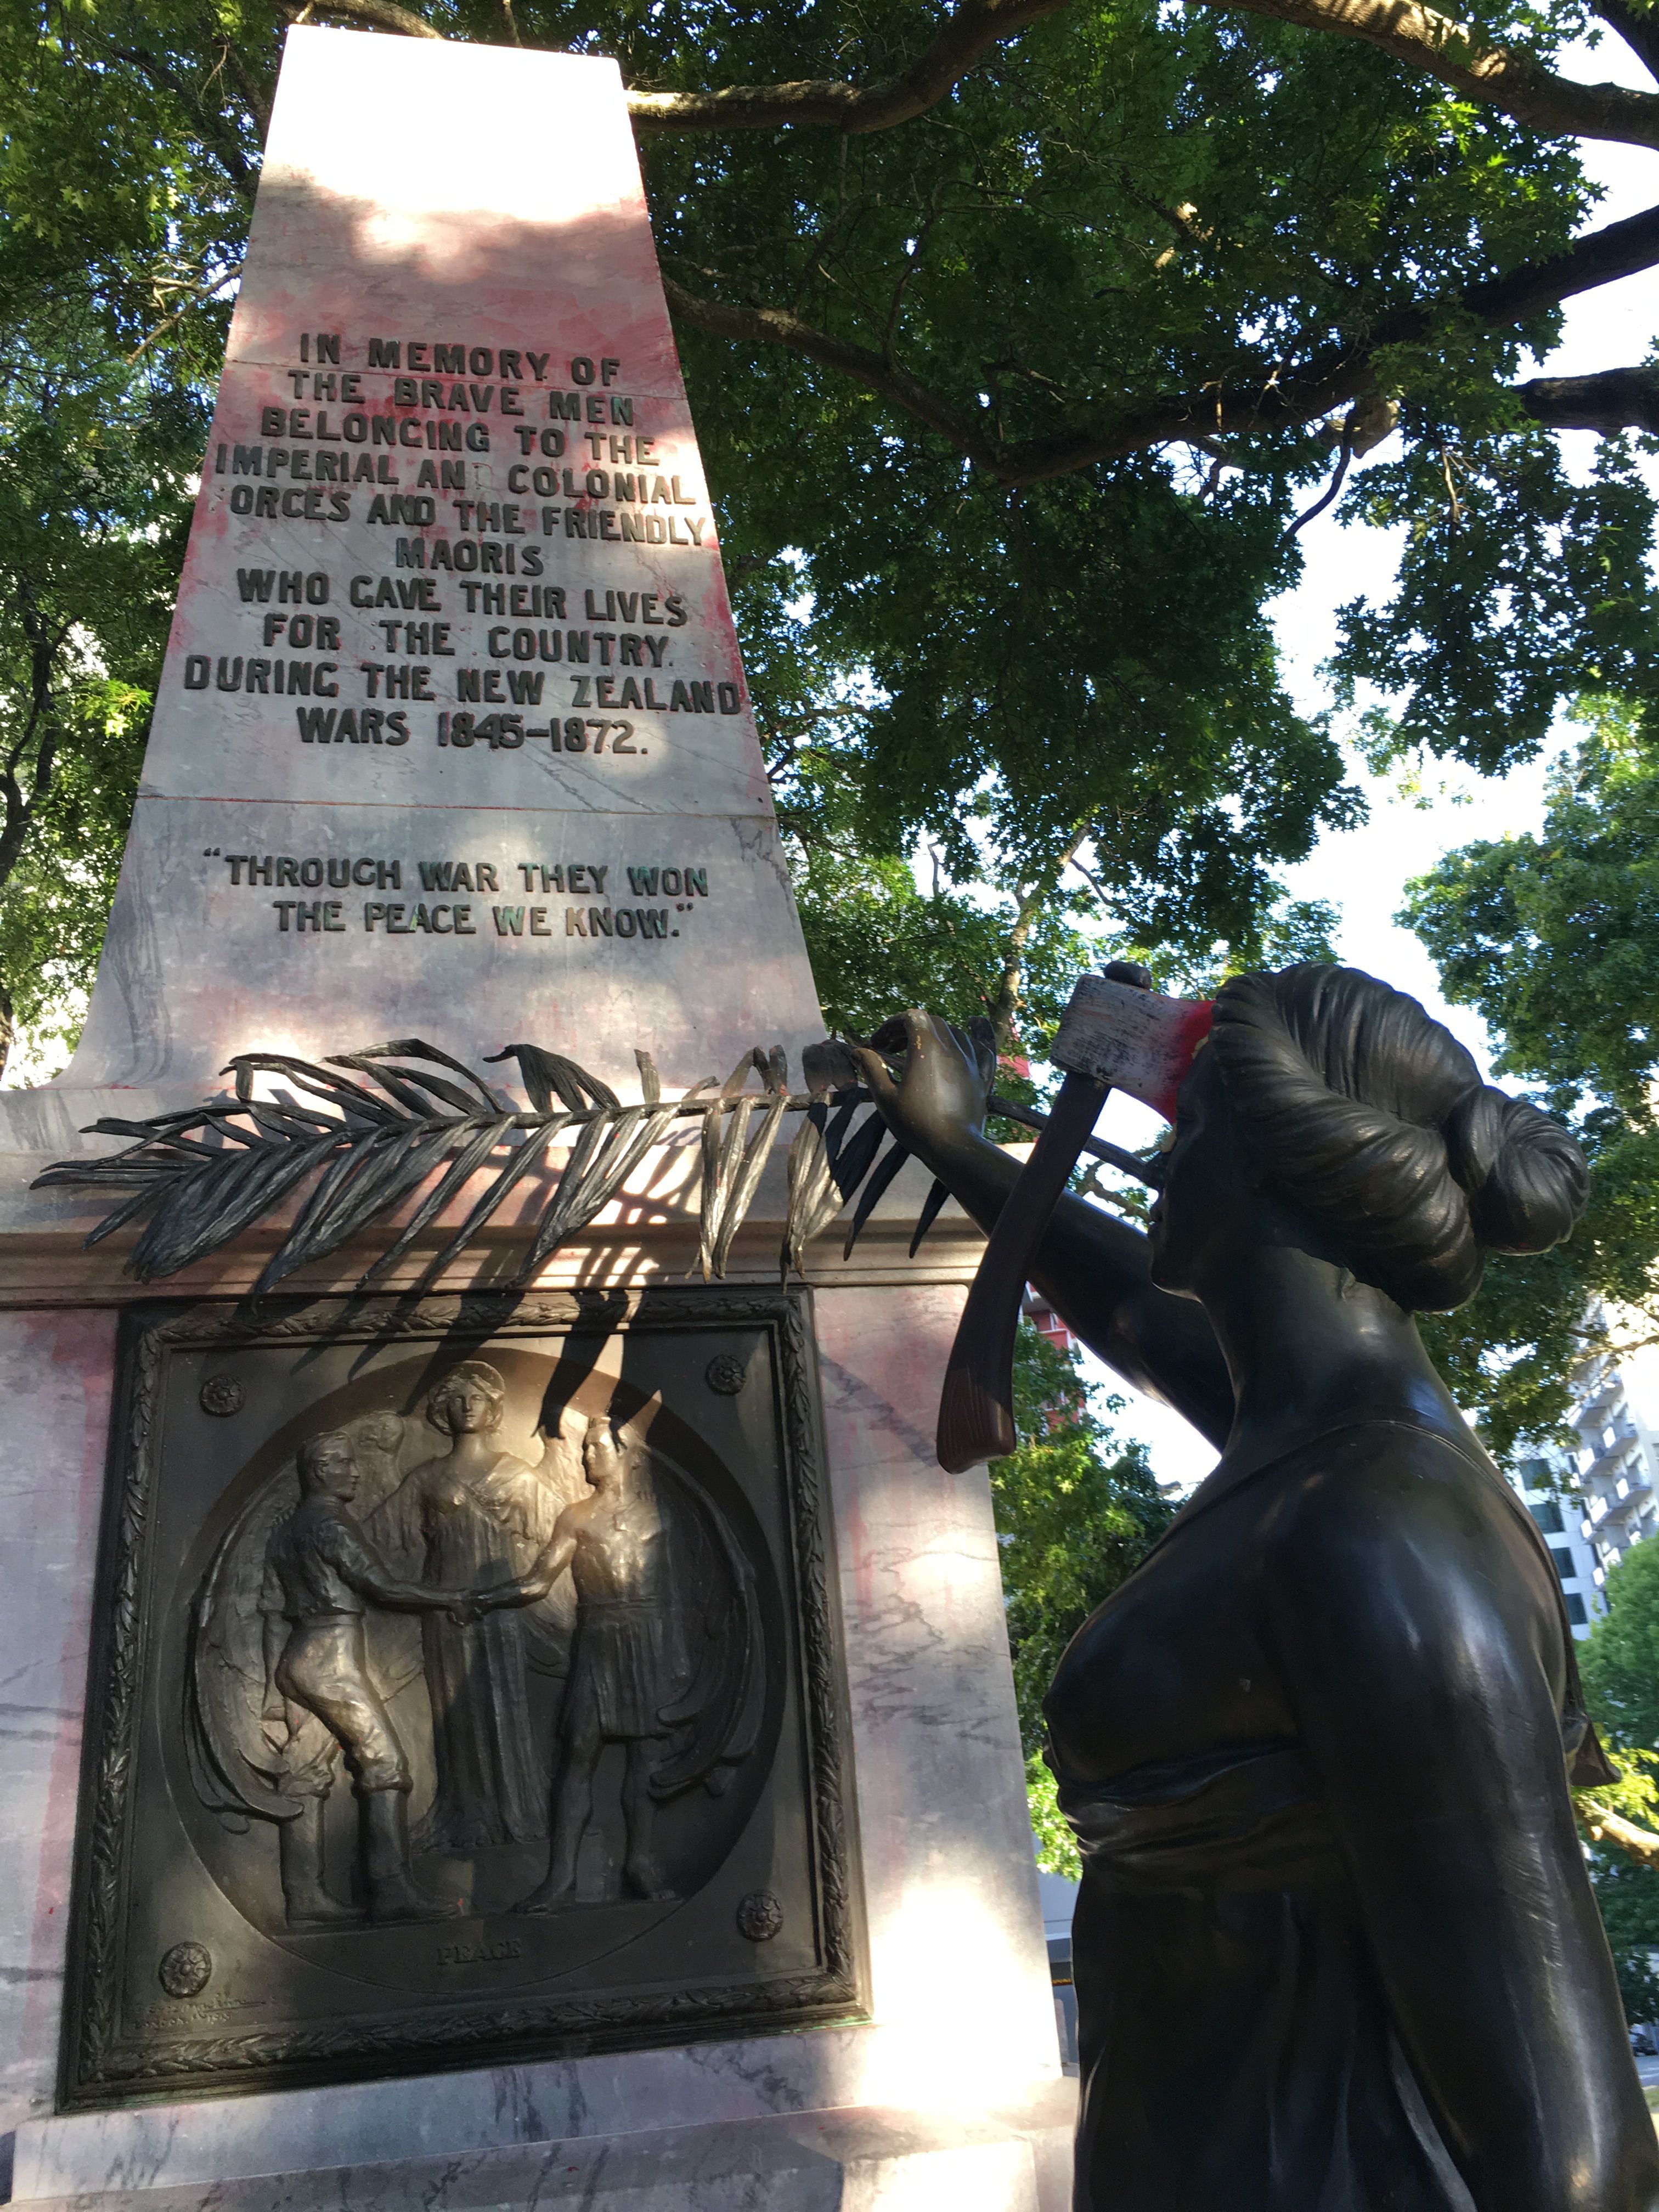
453,727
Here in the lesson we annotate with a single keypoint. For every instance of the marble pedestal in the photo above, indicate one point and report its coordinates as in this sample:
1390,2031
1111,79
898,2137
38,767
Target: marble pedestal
865,2159
950,2092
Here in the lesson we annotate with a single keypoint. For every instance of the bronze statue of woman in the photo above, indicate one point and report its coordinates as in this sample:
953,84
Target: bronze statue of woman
1335,1948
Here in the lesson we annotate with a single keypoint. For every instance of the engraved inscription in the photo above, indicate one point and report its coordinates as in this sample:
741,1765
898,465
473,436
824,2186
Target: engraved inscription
409,553
680,889
478,1954
429,456
169,2015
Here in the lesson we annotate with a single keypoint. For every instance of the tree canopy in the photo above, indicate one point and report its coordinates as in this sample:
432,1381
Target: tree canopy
1555,939
1018,338
1021,340
1076,1511
1617,1664
1619,1660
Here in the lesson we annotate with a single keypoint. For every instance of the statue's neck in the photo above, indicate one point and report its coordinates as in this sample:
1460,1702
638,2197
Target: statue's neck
1308,1346
474,1448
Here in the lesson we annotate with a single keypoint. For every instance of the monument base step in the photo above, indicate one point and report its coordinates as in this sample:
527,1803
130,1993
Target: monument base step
857,2159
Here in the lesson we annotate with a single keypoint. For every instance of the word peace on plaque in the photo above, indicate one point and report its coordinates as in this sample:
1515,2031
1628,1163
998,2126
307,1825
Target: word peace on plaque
471,1694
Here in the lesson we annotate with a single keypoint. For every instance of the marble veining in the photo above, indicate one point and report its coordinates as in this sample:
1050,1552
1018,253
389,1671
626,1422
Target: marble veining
874,2159
54,1381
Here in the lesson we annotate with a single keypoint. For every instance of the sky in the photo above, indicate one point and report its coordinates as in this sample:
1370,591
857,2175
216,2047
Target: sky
1363,872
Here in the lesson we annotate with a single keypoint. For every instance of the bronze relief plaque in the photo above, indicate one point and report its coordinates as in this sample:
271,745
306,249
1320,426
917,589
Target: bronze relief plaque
466,1688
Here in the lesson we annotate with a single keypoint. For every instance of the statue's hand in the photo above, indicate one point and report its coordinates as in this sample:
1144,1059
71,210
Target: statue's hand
471,1605
938,1103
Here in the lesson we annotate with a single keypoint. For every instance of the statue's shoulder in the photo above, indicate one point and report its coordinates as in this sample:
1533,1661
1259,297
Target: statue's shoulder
509,1468
325,1518
1397,1566
1351,1502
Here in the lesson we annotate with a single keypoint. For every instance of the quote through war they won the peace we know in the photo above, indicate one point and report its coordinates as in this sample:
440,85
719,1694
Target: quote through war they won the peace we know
444,502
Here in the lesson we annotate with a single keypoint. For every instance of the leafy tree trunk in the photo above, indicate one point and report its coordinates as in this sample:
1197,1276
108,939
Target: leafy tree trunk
1031,898
34,755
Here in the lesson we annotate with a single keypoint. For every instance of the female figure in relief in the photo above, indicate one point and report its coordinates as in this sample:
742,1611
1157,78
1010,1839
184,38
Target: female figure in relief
479,1514
1335,1948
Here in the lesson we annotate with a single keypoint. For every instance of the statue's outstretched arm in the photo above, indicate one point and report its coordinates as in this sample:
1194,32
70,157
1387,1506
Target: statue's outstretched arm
349,1551
1092,1268
1419,1650
537,1578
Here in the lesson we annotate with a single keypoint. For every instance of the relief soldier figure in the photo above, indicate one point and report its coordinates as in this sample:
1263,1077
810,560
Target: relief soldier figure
320,1569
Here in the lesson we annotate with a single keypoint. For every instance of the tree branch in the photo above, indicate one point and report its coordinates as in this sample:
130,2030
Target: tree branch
777,326
203,291
1280,402
1498,76
963,41
383,15
1616,400
1602,1825
1312,513
1029,900
256,96
1599,257
1639,32
220,138
17,815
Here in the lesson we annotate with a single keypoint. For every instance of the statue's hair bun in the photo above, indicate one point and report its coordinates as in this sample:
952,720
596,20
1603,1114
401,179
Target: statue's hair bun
1524,1177
1373,1120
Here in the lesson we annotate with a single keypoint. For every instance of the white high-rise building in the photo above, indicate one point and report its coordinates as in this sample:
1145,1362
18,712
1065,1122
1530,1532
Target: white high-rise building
1618,1465
1592,1504
1548,1486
